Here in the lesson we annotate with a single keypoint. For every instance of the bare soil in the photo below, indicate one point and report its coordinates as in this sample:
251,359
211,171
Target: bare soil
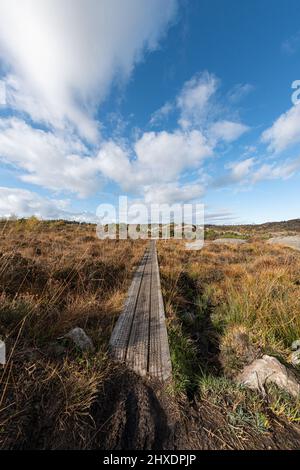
139,414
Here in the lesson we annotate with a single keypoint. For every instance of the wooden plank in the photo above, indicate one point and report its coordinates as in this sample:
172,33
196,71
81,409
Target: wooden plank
140,336
154,357
120,336
137,351
159,355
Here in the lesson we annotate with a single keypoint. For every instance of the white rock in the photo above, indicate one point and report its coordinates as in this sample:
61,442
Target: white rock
80,339
289,241
295,345
266,370
295,358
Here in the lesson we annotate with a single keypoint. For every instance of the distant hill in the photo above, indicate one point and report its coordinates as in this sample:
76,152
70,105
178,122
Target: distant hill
31,222
286,225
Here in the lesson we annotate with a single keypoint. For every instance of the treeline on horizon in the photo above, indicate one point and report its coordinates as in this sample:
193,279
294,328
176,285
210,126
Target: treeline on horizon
34,222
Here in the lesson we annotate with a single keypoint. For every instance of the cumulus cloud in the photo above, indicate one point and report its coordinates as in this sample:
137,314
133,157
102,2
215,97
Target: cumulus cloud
63,163
67,53
165,155
26,203
60,161
199,109
173,193
194,99
114,164
61,65
2,93
227,131
57,162
239,171
285,132
251,171
276,171
158,158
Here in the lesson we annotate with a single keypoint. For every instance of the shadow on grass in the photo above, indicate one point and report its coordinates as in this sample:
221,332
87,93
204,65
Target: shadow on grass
193,339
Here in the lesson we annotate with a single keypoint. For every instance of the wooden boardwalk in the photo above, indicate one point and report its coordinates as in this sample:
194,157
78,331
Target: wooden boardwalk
140,338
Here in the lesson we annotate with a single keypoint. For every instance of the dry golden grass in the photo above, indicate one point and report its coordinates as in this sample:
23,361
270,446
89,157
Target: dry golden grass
53,277
226,305
254,285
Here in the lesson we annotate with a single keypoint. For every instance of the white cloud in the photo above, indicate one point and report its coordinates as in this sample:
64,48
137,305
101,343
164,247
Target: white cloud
250,171
198,109
158,116
63,57
18,99
285,132
164,155
239,172
159,160
63,163
239,91
156,197
60,163
67,53
223,216
241,169
159,157
26,203
2,93
274,171
194,99
227,131
173,193
114,164
66,56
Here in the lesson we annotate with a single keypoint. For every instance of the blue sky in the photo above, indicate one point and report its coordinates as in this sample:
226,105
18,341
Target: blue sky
164,101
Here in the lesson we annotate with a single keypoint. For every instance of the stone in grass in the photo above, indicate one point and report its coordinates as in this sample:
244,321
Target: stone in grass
295,358
80,339
295,345
269,370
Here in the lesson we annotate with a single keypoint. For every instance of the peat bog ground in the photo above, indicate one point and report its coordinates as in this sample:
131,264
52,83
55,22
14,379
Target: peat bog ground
226,305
